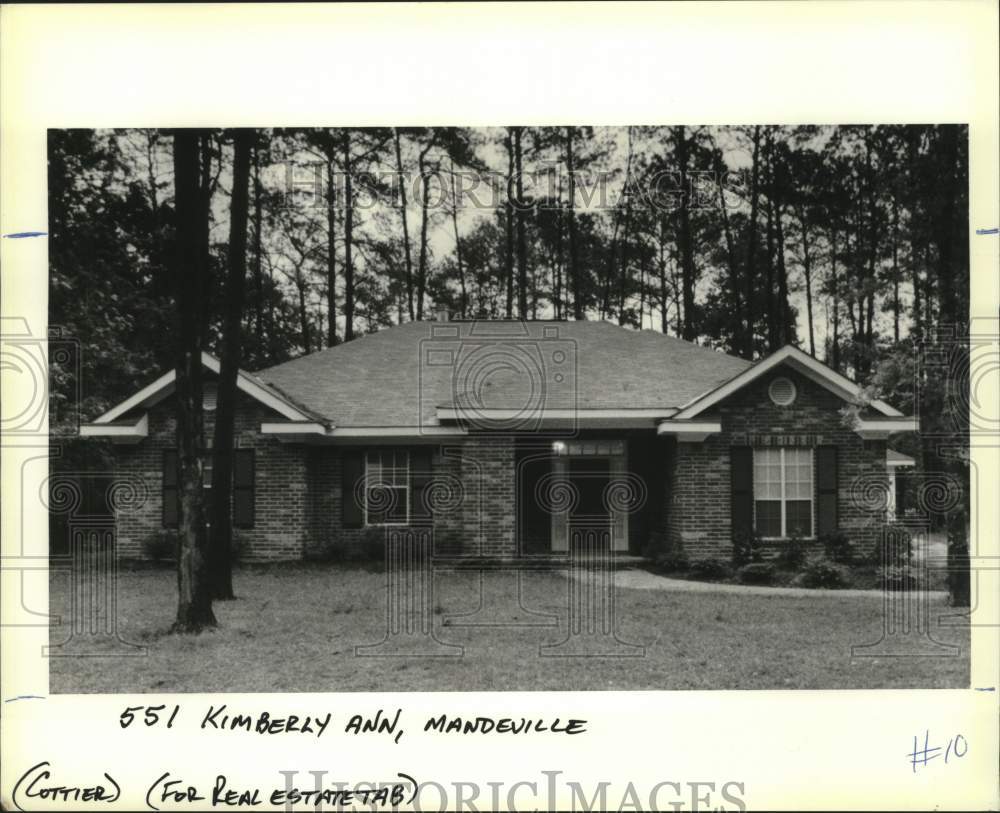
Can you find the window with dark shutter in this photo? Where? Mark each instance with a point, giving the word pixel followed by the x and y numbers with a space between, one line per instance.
pixel 244 477
pixel 826 489
pixel 352 511
pixel 741 474
pixel 421 474
pixel 171 489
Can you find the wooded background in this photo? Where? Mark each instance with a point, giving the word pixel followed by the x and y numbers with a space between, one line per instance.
pixel 849 241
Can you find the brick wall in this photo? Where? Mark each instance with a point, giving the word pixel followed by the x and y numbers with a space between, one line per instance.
pixel 298 493
pixel 699 477
pixel 279 530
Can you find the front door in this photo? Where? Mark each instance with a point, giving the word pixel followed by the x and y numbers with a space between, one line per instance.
pixel 589 466
pixel 589 478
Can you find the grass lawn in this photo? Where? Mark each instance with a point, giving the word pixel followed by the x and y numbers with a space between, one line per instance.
pixel 295 627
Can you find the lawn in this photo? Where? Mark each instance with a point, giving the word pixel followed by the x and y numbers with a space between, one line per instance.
pixel 294 628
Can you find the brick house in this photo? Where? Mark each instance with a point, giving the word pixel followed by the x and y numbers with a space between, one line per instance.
pixel 503 436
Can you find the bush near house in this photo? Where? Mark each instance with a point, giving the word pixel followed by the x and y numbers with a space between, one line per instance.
pixel 894 547
pixel 824 574
pixel 837 547
pixel 792 555
pixel 672 561
pixel 896 577
pixel 710 569
pixel 747 547
pixel 756 573
pixel 161 546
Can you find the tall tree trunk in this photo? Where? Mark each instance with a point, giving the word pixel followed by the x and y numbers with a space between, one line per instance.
pixel 734 281
pixel 623 273
pixel 194 589
pixel 522 241
pixel 690 329
pixel 895 269
pixel 807 271
pixel 222 446
pixel 773 312
pixel 918 321
pixel 406 229
pixel 508 225
pixel 574 268
pixel 258 276
pixel 458 246
pixel 300 287
pixel 557 297
pixel 751 263
pixel 787 329
pixel 425 196
pixel 331 246
pixel 348 239
pixel 834 283
pixel 662 267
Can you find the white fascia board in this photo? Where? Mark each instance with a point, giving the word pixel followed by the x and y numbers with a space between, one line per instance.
pixel 117 432
pixel 163 386
pixel 293 428
pixel 881 428
pixel 458 414
pixel 143 397
pixel 799 360
pixel 318 432
pixel 689 431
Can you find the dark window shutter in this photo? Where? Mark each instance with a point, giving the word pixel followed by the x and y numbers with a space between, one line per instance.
pixel 741 476
pixel 244 477
pixel 171 489
pixel 826 490
pixel 421 472
pixel 352 514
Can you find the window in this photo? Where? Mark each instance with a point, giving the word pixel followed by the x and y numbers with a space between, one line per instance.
pixel 387 487
pixel 782 391
pixel 244 476
pixel 783 492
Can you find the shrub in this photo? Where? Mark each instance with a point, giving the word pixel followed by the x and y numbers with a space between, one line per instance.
pixel 894 547
pixel 896 577
pixel 756 573
pixel 656 546
pixel 959 587
pixel 747 547
pixel 161 546
pixel 837 547
pixel 672 560
pixel 372 546
pixel 825 574
pixel 710 569
pixel 793 553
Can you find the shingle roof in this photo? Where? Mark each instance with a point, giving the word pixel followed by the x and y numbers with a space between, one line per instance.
pixel 391 377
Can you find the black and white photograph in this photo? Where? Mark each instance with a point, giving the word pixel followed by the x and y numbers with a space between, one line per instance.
pixel 426 408
pixel 497 406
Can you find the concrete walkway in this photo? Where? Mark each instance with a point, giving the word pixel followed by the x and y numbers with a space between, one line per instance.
pixel 635 579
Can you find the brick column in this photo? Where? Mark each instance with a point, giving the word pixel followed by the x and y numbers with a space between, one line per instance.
pixel 488 475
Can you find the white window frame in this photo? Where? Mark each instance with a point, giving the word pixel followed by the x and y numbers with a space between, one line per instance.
pixel 784 497
pixel 408 486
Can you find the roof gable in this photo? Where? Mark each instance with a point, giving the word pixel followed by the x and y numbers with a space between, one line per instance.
pixel 163 387
pixel 798 360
